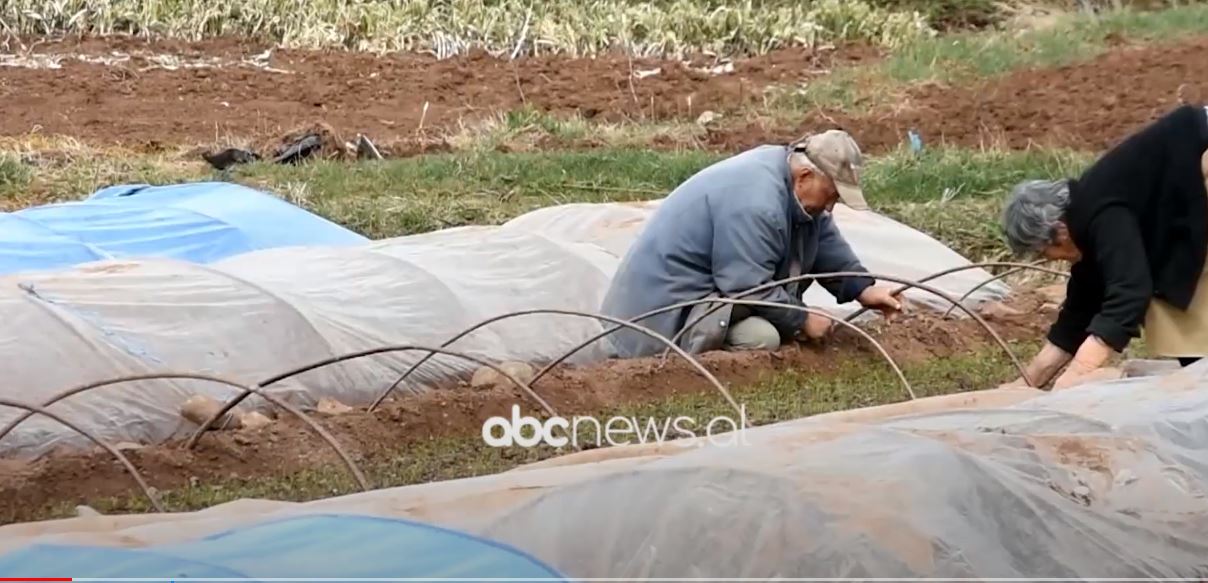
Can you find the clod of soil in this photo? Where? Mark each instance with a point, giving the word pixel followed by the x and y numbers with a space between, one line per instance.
pixel 998 312
pixel 254 420
pixel 486 376
pixel 199 409
pixel 1053 294
pixel 327 406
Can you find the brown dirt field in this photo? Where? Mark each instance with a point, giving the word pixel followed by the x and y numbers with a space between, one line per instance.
pixel 287 447
pixel 381 96
pixel 1087 106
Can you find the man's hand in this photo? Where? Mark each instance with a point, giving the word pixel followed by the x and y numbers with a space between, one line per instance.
pixel 880 298
pixel 816 327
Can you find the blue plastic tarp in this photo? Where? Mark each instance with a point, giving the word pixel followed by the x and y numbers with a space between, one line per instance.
pixel 199 222
pixel 311 546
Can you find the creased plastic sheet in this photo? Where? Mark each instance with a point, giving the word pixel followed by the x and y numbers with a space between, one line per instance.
pixel 1101 481
pixel 882 244
pixel 198 222
pixel 257 314
pixel 299 547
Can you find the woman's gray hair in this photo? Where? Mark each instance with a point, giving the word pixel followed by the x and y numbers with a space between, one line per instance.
pixel 1033 210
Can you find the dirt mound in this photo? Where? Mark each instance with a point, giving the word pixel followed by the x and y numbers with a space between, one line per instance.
pixel 150 99
pixel 1088 106
pixel 287 447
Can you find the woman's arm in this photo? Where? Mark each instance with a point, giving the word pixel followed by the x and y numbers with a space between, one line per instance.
pixel 1044 366
pixel 1127 284
pixel 1127 290
pixel 1083 297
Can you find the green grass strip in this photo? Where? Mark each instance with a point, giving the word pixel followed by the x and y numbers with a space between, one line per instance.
pixel 967 57
pixel 859 380
pixel 952 194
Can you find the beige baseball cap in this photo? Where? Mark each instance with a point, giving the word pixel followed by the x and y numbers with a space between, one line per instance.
pixel 838 156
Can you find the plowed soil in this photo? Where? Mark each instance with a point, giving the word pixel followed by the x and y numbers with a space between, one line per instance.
pixel 1088 106
pixel 286 447
pixel 397 97
pixel 390 98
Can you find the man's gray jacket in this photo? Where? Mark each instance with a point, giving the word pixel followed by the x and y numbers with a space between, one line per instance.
pixel 733 226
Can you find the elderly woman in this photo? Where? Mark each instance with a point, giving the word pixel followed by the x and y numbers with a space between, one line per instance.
pixel 1135 228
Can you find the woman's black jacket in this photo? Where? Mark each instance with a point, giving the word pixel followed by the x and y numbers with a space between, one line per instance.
pixel 1140 217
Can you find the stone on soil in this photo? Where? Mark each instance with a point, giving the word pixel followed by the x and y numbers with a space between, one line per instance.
pixel 998 311
pixel 254 420
pixel 1053 294
pixel 486 377
pixel 328 406
pixel 86 511
pixel 201 408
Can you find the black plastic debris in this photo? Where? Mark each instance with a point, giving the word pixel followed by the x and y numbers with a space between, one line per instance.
pixel 230 157
pixel 300 149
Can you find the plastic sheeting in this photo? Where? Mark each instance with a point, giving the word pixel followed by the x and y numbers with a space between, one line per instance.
pixel 1107 480
pixel 254 315
pixel 882 244
pixel 311 547
pixel 199 222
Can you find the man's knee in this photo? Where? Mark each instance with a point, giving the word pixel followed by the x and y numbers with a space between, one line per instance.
pixel 753 333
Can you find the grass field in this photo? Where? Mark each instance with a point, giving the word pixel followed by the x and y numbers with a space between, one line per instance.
pixel 967 57
pixel 953 194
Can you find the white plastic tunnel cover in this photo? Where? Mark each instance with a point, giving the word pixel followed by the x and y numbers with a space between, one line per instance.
pixel 1102 481
pixel 254 315
pixel 1106 481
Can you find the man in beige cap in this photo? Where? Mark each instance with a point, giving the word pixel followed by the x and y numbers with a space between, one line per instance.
pixel 760 216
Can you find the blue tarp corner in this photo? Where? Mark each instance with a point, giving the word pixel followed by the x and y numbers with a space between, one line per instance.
pixel 198 222
pixel 308 546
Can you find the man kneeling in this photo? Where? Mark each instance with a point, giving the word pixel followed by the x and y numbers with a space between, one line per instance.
pixel 760 216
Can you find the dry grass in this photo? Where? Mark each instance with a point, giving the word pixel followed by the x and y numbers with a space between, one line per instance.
pixel 503 27
pixel 37 169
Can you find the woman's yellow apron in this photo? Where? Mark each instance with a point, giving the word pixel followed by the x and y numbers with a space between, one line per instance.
pixel 1175 333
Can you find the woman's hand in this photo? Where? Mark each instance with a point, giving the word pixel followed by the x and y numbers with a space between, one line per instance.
pixel 1043 367
pixel 1100 374
pixel 1074 375
pixel 1087 365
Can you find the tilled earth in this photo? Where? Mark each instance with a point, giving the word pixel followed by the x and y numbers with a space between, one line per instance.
pixel 147 99
pixel 1088 106
pixel 142 98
